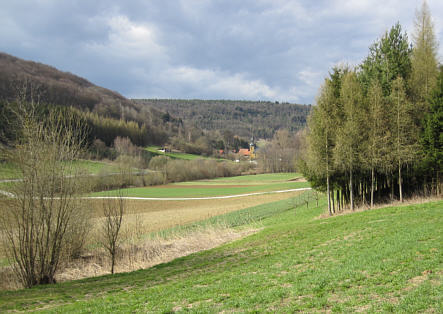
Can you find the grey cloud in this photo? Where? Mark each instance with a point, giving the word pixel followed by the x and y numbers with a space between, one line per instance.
pixel 257 49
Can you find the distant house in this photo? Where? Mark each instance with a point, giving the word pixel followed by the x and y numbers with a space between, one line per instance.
pixel 244 152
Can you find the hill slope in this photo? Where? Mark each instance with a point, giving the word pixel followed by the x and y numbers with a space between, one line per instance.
pixel 387 259
pixel 246 118
pixel 57 87
pixel 20 78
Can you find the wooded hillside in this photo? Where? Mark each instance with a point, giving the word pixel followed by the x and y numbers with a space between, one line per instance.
pixel 248 118
pixel 108 113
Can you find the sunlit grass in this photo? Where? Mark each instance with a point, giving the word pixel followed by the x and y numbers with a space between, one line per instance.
pixel 216 187
pixel 384 260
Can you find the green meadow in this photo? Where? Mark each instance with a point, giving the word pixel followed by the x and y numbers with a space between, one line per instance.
pixel 215 187
pixel 177 155
pixel 249 179
pixel 383 260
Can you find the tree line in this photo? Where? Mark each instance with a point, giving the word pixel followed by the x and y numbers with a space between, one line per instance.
pixel 376 132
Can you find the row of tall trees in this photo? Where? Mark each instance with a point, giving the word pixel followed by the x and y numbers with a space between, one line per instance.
pixel 376 132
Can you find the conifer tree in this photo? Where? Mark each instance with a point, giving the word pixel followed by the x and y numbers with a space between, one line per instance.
pixel 404 130
pixel 432 139
pixel 388 58
pixel 424 59
pixel 350 136
pixel 321 137
pixel 378 133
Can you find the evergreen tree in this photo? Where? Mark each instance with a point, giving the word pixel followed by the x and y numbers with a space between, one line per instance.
pixel 388 58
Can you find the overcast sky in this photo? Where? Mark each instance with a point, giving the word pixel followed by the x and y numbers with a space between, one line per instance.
pixel 209 49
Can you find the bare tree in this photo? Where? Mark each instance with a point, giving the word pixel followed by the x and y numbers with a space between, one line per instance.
pixel 113 211
pixel 37 221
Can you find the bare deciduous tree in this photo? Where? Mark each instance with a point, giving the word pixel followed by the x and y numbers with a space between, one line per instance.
pixel 37 221
pixel 113 211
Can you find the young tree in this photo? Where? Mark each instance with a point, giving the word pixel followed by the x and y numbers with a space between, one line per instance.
pixel 388 58
pixel 404 130
pixel 113 211
pixel 378 133
pixel 432 138
pixel 321 138
pixel 424 59
pixel 350 136
pixel 37 221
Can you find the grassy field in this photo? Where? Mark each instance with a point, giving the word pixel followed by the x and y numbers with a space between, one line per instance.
pixel 9 171
pixel 387 260
pixel 216 187
pixel 160 215
pixel 258 179
pixel 176 155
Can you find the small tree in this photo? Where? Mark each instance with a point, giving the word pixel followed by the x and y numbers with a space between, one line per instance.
pixel 404 130
pixel 424 59
pixel 377 145
pixel 113 211
pixel 348 150
pixel 37 221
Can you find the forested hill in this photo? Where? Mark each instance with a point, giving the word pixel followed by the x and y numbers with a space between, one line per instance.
pixel 110 113
pixel 53 86
pixel 258 118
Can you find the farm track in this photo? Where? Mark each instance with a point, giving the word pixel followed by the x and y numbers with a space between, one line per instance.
pixel 8 194
pixel 195 198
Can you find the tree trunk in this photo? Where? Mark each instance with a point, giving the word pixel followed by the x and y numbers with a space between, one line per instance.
pixel 112 263
pixel 400 182
pixel 438 184
pixel 351 190
pixel 339 199
pixel 333 202
pixel 372 187
pixel 328 192
pixel 392 188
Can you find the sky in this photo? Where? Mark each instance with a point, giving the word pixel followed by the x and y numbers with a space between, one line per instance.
pixel 277 50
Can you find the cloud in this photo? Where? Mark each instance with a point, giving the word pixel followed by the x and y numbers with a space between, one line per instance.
pixel 126 39
pixel 249 49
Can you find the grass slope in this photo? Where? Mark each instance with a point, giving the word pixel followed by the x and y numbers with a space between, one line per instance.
pixel 387 259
